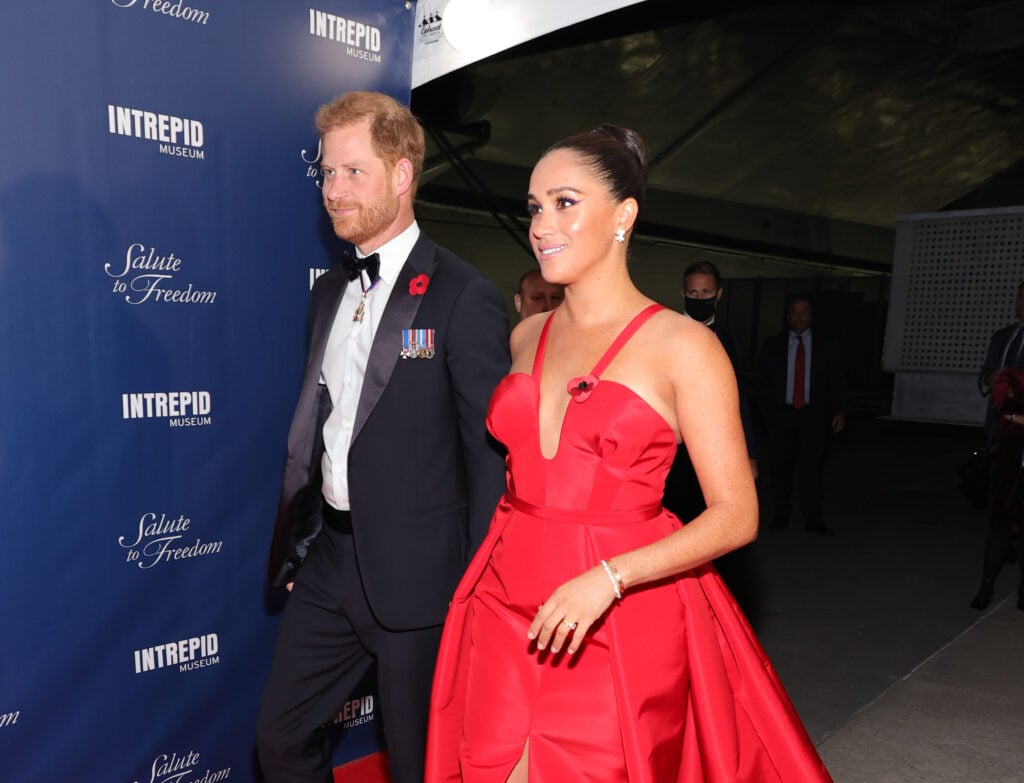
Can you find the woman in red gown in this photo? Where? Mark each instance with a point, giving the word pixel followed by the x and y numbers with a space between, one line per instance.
pixel 591 639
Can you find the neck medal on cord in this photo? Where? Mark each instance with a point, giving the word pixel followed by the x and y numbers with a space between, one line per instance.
pixel 357 316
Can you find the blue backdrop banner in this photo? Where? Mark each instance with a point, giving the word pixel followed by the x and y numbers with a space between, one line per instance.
pixel 160 224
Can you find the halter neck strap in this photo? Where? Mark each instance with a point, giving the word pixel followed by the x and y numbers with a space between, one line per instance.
pixel 542 344
pixel 638 320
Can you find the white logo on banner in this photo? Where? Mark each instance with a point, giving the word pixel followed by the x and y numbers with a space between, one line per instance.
pixel 160 541
pixel 180 408
pixel 177 136
pixel 169 8
pixel 355 712
pixel 9 718
pixel 429 25
pixel 187 654
pixel 314 273
pixel 313 164
pixel 361 41
pixel 182 769
pixel 313 170
pixel 142 277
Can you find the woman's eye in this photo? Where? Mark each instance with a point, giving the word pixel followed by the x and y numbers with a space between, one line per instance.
pixel 533 210
pixel 564 201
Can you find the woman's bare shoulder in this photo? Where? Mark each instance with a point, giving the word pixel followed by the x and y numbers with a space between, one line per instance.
pixel 525 336
pixel 670 325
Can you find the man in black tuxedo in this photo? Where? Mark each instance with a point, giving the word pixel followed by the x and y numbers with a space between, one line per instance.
pixel 390 479
pixel 1005 349
pixel 801 394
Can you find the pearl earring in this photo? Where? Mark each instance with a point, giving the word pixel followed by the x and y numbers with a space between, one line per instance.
pixel 620 235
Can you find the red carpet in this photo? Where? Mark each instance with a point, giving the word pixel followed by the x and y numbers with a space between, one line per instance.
pixel 368 769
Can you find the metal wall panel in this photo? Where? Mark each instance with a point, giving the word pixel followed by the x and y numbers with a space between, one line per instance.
pixel 955 276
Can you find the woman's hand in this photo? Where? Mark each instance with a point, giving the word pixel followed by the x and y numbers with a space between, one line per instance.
pixel 571 611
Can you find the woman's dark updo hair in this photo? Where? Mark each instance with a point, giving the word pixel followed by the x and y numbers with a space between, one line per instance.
pixel 617 155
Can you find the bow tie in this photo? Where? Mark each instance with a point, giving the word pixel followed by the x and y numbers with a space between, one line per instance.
pixel 354 265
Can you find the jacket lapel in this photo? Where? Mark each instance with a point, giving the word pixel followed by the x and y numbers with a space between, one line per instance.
pixel 324 324
pixel 304 430
pixel 398 316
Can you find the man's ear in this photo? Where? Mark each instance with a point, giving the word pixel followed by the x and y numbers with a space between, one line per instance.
pixel 402 176
pixel 518 301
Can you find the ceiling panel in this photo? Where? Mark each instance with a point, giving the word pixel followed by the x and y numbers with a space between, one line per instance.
pixel 837 111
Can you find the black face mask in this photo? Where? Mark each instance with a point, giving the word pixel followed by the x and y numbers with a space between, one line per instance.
pixel 700 309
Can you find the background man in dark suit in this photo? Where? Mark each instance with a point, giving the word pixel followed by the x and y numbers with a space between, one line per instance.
pixel 801 393
pixel 1005 349
pixel 702 291
pixel 390 480
pixel 536 295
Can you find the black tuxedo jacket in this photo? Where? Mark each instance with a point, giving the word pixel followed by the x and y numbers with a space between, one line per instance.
pixel 828 375
pixel 424 476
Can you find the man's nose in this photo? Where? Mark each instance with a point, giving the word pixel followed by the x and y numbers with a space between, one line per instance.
pixel 332 188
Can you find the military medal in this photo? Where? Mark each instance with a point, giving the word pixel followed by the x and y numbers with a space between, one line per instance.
pixel 417 344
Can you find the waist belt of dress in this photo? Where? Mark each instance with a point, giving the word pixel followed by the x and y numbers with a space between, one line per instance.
pixel 583 516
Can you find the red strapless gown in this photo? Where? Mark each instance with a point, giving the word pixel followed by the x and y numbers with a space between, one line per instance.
pixel 671 687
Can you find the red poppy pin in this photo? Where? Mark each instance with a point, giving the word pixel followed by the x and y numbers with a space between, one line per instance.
pixel 418 285
pixel 580 388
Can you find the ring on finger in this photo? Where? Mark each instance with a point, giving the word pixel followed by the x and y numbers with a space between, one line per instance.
pixel 570 626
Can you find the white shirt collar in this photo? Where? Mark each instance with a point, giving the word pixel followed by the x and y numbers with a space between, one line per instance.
pixel 395 251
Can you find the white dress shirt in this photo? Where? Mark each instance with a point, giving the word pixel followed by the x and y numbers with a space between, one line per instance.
pixel 344 366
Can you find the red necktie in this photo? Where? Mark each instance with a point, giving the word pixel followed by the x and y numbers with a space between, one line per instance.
pixel 798 374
